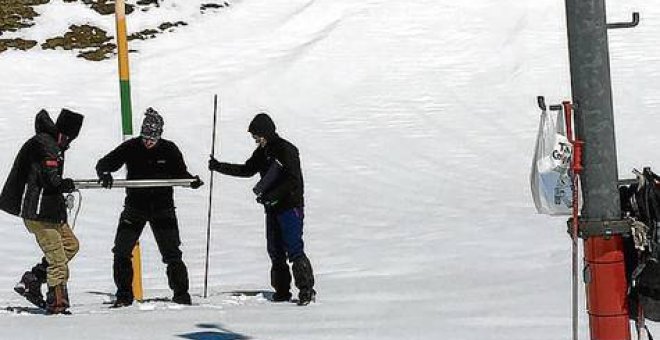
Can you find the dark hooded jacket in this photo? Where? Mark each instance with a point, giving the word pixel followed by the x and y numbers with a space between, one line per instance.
pixel 33 189
pixel 288 189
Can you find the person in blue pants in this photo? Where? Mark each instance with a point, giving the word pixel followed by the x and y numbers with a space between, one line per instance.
pixel 280 190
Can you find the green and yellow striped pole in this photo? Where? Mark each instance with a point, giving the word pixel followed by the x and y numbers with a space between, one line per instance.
pixel 127 121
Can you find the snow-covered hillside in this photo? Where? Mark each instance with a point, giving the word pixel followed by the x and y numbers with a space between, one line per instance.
pixel 416 124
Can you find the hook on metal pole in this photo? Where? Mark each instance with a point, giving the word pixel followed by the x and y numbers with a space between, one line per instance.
pixel 631 24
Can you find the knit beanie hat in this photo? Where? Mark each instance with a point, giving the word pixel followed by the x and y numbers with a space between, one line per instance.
pixel 152 125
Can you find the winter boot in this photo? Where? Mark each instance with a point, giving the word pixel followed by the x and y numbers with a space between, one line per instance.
pixel 122 300
pixel 57 299
pixel 30 287
pixel 182 299
pixel 305 296
pixel 304 276
pixel 280 279
pixel 122 272
pixel 281 297
pixel 177 279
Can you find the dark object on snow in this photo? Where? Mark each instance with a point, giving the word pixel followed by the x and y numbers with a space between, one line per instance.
pixel 152 205
pixel 35 184
pixel 641 201
pixel 30 284
pixel 280 190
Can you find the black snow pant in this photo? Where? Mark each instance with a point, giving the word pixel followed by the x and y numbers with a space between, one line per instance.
pixel 165 227
pixel 284 232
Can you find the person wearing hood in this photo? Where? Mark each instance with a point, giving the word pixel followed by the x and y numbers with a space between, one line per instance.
pixel 33 191
pixel 280 191
pixel 148 157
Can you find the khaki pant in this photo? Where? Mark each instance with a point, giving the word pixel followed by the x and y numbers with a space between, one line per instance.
pixel 59 245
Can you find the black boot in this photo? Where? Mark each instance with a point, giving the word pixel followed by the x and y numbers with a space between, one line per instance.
pixel 57 299
pixel 177 279
pixel 304 276
pixel 123 275
pixel 305 296
pixel 30 287
pixel 280 279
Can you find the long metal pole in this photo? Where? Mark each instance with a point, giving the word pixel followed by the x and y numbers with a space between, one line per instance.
pixel 134 183
pixel 594 118
pixel 127 122
pixel 208 226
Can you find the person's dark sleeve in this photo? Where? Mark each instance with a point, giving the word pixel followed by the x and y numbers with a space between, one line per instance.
pixel 249 169
pixel 50 164
pixel 114 160
pixel 290 161
pixel 179 168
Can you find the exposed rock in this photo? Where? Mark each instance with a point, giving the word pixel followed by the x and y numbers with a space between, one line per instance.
pixel 17 44
pixel 17 14
pixel 90 40
pixel 148 2
pixel 143 35
pixel 207 6
pixel 103 52
pixel 104 7
pixel 167 25
pixel 91 43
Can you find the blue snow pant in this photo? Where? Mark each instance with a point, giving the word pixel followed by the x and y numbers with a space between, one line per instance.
pixel 284 231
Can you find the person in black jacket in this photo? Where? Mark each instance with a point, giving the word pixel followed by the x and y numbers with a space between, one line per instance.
pixel 34 191
pixel 148 157
pixel 280 190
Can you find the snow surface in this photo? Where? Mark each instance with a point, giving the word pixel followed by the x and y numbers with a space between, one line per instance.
pixel 416 124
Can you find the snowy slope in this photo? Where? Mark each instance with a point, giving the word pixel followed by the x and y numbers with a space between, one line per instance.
pixel 416 123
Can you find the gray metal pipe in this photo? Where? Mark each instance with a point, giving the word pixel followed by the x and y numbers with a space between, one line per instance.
pixel 136 183
pixel 592 99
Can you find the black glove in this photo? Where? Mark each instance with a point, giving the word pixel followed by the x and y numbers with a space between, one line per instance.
pixel 67 186
pixel 214 165
pixel 196 183
pixel 266 200
pixel 105 178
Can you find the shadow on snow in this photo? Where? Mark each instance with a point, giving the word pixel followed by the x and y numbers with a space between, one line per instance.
pixel 218 334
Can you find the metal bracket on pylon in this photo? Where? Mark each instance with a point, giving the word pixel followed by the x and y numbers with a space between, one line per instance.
pixel 600 228
pixel 630 24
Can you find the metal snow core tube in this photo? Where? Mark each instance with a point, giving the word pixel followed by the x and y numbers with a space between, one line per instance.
pixel 136 183
pixel 605 277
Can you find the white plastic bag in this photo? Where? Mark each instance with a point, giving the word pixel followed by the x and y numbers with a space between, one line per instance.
pixel 550 178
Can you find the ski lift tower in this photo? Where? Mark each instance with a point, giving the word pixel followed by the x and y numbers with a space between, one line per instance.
pixel 600 223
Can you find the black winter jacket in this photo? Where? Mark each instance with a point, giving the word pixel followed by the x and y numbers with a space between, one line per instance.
pixel 32 190
pixel 288 189
pixel 163 161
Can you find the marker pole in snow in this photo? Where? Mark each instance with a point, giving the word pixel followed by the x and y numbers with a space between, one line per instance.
pixel 576 167
pixel 208 226
pixel 127 120
pixel 600 224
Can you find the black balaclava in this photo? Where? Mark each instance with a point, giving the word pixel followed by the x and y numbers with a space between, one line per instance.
pixel 262 126
pixel 152 125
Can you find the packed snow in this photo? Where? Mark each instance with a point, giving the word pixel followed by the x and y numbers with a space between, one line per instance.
pixel 416 124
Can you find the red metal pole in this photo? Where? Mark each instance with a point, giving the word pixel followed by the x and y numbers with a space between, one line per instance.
pixel 604 273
